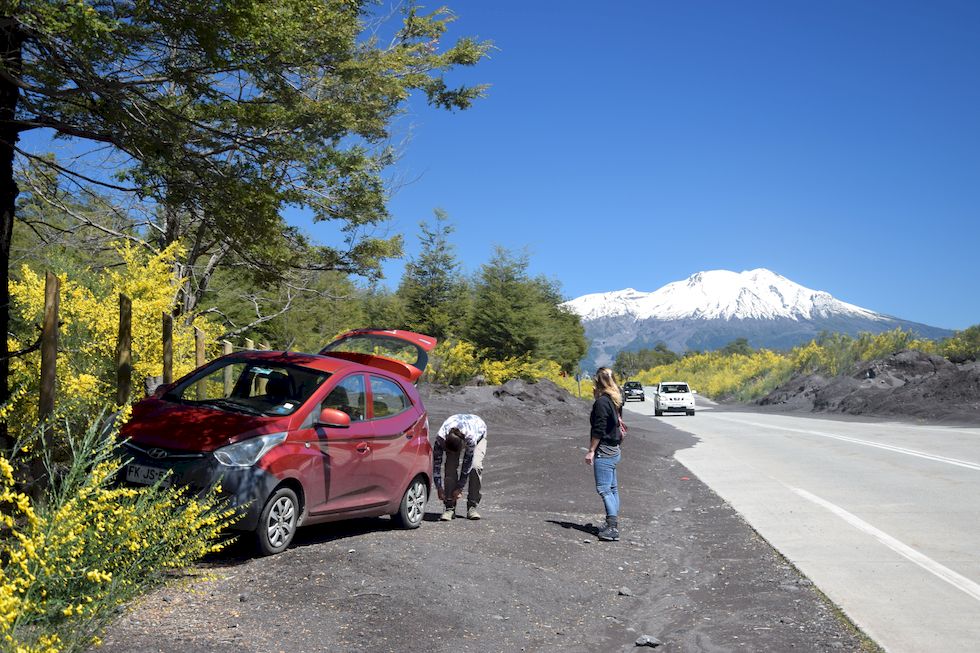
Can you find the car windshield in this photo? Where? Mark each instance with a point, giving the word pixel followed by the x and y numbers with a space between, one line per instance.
pixel 251 388
pixel 632 385
pixel 671 388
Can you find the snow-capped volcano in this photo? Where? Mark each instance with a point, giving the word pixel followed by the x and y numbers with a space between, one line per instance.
pixel 720 294
pixel 710 309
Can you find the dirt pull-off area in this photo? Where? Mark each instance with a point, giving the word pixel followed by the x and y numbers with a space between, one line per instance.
pixel 688 574
pixel 907 384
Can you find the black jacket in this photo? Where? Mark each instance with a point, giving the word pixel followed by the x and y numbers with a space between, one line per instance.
pixel 605 421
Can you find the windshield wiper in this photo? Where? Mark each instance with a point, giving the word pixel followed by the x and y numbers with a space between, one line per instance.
pixel 232 406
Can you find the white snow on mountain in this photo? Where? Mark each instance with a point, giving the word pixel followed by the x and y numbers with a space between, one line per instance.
pixel 720 294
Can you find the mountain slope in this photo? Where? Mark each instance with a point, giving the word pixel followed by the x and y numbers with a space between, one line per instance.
pixel 710 309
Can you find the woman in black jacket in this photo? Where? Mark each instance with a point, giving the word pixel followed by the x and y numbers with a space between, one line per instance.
pixel 604 448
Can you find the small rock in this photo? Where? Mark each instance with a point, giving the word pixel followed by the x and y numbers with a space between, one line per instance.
pixel 242 598
pixel 647 640
pixel 625 591
pixel 678 510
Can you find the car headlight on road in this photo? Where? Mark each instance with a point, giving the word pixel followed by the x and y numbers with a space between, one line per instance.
pixel 248 452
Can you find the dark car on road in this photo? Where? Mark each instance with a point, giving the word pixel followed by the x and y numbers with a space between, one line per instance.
pixel 295 438
pixel 633 390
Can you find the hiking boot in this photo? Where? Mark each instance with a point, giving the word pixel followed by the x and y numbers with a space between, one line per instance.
pixel 448 514
pixel 611 532
pixel 471 513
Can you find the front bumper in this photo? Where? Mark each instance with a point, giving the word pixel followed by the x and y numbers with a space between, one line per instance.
pixel 245 488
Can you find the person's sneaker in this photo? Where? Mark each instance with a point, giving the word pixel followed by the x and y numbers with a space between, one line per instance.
pixel 611 532
pixel 471 513
pixel 608 534
pixel 448 514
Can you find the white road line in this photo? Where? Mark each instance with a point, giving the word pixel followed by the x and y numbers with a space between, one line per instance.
pixel 887 447
pixel 961 583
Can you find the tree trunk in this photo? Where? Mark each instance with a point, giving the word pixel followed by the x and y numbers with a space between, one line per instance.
pixel 11 40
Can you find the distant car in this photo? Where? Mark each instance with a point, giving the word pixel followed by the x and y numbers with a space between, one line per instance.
pixel 673 397
pixel 633 390
pixel 295 438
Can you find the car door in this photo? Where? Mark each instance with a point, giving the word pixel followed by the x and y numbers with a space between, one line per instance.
pixel 398 440
pixel 342 481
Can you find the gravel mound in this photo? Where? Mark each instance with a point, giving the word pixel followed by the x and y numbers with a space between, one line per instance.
pixel 517 403
pixel 906 384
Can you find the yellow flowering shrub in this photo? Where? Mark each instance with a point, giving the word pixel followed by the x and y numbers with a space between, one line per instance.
pixel 453 362
pixel 747 377
pixel 714 374
pixel 89 330
pixel 68 561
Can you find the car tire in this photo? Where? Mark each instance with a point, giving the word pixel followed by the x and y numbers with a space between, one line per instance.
pixel 278 522
pixel 411 510
pixel 690 413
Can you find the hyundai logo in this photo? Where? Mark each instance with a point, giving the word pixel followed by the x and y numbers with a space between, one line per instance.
pixel 156 454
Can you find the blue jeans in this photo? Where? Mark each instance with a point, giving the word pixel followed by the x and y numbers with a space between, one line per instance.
pixel 605 482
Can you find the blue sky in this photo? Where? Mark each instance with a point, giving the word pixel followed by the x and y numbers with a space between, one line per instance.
pixel 631 144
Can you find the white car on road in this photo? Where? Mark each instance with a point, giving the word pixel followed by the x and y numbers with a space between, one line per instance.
pixel 671 397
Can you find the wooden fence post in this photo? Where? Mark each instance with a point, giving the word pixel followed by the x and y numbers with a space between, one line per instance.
pixel 168 348
pixel 199 360
pixel 124 352
pixel 226 348
pixel 249 343
pixel 49 347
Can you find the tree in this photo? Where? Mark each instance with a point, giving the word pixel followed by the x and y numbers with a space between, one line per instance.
pixel 220 114
pixel 562 337
pixel 738 346
pixel 514 315
pixel 504 322
pixel 628 363
pixel 432 289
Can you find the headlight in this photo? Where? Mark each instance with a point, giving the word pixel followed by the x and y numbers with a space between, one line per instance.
pixel 248 452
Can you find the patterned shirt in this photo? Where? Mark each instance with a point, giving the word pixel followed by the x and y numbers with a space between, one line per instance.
pixel 473 429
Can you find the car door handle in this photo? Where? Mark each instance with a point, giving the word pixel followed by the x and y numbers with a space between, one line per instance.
pixel 363 447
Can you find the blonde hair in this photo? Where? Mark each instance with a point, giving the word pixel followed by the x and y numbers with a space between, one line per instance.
pixel 605 384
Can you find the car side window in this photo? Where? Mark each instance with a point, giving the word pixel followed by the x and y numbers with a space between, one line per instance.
pixel 349 397
pixel 387 398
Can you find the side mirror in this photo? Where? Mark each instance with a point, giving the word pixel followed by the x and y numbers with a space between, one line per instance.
pixel 334 418
pixel 693 391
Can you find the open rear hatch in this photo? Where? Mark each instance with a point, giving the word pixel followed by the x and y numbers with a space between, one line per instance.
pixel 402 352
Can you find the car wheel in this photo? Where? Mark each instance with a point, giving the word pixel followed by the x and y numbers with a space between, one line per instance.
pixel 412 508
pixel 690 413
pixel 278 522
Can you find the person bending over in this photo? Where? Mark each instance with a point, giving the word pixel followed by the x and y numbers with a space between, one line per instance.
pixel 462 440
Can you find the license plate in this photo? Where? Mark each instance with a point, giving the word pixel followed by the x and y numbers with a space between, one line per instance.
pixel 145 475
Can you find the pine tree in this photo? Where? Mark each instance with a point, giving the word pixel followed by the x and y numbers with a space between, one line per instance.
pixel 432 290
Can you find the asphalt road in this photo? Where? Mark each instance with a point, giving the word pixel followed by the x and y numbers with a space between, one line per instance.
pixel 883 516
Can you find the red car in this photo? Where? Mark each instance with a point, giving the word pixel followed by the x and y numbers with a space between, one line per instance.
pixel 295 438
